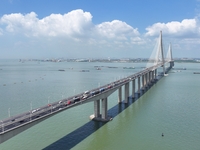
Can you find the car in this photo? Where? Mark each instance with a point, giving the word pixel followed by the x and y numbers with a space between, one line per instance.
pixel 76 99
pixel 86 94
pixel 109 86
pixel 92 93
pixel 96 92
pixel 102 89
pixel 68 102
pixel 37 116
pixel 33 111
pixel 60 102
pixel 21 121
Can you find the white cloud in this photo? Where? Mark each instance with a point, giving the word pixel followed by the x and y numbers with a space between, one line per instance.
pixel 18 22
pixel 137 40
pixel 75 30
pixel 116 29
pixel 76 24
pixel 68 33
pixel 72 23
pixel 187 27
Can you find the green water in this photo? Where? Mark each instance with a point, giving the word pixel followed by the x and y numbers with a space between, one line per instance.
pixel 171 107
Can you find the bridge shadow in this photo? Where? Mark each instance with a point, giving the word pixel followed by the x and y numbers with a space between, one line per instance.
pixel 78 135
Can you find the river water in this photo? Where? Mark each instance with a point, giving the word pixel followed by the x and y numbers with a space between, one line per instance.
pixel 171 106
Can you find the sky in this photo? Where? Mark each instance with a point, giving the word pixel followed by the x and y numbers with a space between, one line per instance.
pixel 41 29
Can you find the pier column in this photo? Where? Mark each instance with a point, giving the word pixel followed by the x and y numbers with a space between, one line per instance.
pixel 149 77
pixel 120 94
pixel 96 108
pixel 126 92
pixel 133 88
pixel 155 73
pixel 152 76
pixel 104 108
pixel 146 80
pixel 138 85
pixel 171 64
pixel 142 82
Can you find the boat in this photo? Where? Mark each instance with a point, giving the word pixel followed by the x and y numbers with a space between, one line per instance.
pixel 128 67
pixel 61 70
pixel 196 72
pixel 98 68
pixel 85 71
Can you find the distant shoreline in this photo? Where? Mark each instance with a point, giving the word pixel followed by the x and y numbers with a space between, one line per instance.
pixel 128 60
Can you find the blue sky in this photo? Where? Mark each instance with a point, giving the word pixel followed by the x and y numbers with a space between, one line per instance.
pixel 98 29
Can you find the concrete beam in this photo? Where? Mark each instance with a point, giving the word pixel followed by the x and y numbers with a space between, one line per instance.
pixel 15 131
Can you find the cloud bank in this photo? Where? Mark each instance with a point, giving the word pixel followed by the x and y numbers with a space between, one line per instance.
pixel 75 24
pixel 75 27
pixel 187 27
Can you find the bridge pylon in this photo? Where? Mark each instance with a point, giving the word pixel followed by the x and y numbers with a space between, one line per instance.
pixel 162 53
pixel 158 58
pixel 169 57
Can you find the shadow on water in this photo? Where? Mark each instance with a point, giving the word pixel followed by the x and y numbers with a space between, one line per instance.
pixel 78 135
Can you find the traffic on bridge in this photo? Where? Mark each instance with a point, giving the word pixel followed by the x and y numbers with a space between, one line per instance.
pixel 53 108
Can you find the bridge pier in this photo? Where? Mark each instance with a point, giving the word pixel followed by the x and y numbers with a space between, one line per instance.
pixel 97 108
pixel 120 94
pixel 149 78
pixel 104 111
pixel 152 76
pixel 171 64
pixel 126 88
pixel 146 80
pixel 133 88
pixel 138 85
pixel 143 84
pixel 104 108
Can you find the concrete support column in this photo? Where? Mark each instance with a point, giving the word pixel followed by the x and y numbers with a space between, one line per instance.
pixel 146 80
pixel 96 108
pixel 133 88
pixel 120 94
pixel 171 64
pixel 155 73
pixel 138 84
pixel 142 82
pixel 149 77
pixel 152 76
pixel 104 108
pixel 126 92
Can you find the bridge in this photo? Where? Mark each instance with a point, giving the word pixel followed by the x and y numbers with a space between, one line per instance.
pixel 99 96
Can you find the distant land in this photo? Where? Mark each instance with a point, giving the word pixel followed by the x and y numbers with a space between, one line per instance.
pixel 129 60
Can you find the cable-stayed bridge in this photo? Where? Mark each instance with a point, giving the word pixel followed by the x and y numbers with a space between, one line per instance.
pixel 10 127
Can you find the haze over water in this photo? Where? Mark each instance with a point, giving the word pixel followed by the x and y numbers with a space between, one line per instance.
pixel 171 107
